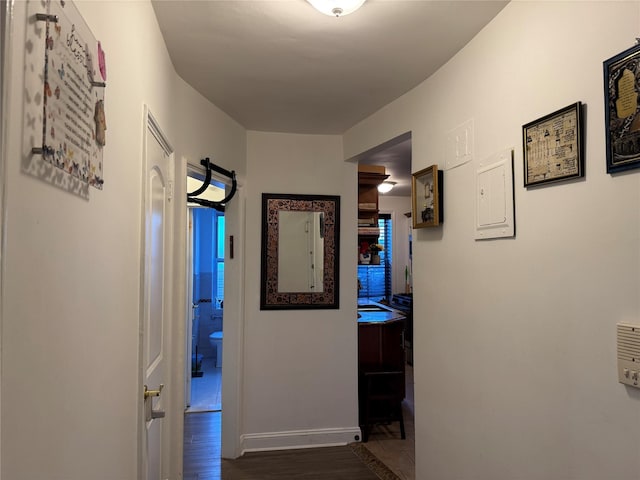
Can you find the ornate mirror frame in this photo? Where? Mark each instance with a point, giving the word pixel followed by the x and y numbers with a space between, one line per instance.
pixel 270 297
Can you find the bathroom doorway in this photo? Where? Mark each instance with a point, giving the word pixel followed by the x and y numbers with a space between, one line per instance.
pixel 205 278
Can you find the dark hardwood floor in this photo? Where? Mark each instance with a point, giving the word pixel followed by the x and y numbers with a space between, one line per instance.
pixel 326 463
pixel 202 454
pixel 202 458
pixel 202 446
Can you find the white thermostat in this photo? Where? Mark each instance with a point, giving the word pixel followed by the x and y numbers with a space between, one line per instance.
pixel 629 354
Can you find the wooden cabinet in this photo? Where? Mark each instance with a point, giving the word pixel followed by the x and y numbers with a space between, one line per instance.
pixel 369 177
pixel 381 374
pixel 381 346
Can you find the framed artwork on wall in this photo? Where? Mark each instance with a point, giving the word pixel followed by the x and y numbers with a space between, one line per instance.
pixel 621 107
pixel 426 197
pixel 553 147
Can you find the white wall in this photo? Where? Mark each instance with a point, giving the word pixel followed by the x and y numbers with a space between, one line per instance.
pixel 300 380
pixel 397 207
pixel 515 366
pixel 515 359
pixel 70 310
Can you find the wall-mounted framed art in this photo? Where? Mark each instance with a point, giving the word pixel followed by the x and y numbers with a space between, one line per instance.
pixel 553 147
pixel 621 107
pixel 426 197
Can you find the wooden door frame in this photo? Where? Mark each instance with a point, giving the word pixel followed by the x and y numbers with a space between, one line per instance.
pixel 5 50
pixel 233 350
pixel 189 309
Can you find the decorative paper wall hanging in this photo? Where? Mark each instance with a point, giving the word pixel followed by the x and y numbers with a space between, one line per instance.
pixel 74 119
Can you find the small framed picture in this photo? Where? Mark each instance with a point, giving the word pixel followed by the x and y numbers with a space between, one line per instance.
pixel 621 107
pixel 553 147
pixel 426 197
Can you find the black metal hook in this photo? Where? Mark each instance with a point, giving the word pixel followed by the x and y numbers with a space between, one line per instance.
pixel 219 206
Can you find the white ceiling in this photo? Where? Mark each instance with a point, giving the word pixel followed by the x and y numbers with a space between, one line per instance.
pixel 281 66
pixel 395 156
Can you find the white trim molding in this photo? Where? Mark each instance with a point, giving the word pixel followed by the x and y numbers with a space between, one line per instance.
pixel 287 440
pixel 6 12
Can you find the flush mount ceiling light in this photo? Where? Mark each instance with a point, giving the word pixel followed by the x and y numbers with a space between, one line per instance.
pixel 336 8
pixel 385 187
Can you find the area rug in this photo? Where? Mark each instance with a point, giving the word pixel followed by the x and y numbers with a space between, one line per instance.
pixel 372 462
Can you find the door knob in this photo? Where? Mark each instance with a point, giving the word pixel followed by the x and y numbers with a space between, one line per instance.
pixel 152 393
pixel 150 413
pixel 157 414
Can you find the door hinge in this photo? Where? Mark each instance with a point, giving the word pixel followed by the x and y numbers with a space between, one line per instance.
pixel 170 190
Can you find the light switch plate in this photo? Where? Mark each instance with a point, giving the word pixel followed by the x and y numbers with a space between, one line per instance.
pixel 628 340
pixel 459 145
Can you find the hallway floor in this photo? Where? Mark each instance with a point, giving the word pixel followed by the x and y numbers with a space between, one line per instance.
pixel 202 446
pixel 385 443
pixel 202 443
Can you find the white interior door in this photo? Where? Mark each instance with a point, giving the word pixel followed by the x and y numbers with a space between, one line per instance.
pixel 156 291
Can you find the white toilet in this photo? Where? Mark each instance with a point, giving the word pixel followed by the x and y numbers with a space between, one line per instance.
pixel 215 339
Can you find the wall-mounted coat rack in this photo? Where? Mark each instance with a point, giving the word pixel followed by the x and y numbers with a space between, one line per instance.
pixel 209 167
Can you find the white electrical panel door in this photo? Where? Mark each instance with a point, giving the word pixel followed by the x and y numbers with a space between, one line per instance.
pixel 494 197
pixel 628 353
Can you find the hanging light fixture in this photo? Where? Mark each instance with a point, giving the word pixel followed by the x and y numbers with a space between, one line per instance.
pixel 385 187
pixel 336 8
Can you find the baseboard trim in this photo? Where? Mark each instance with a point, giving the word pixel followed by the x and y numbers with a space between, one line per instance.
pixel 321 437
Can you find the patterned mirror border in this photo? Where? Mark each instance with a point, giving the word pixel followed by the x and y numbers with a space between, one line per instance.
pixel 270 297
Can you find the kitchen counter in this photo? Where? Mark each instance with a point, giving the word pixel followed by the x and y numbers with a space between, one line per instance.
pixel 374 312
pixel 381 364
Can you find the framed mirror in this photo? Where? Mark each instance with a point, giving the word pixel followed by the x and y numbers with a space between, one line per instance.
pixel 300 251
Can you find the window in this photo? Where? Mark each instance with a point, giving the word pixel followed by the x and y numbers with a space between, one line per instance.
pixel 219 289
pixel 208 255
pixel 376 279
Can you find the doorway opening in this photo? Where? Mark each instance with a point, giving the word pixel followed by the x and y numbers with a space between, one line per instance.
pixel 385 288
pixel 203 389
pixel 202 446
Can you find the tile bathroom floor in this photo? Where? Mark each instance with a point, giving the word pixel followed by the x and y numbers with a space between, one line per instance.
pixel 206 391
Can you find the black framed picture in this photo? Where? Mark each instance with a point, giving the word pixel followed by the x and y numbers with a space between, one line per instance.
pixel 553 147
pixel 622 108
